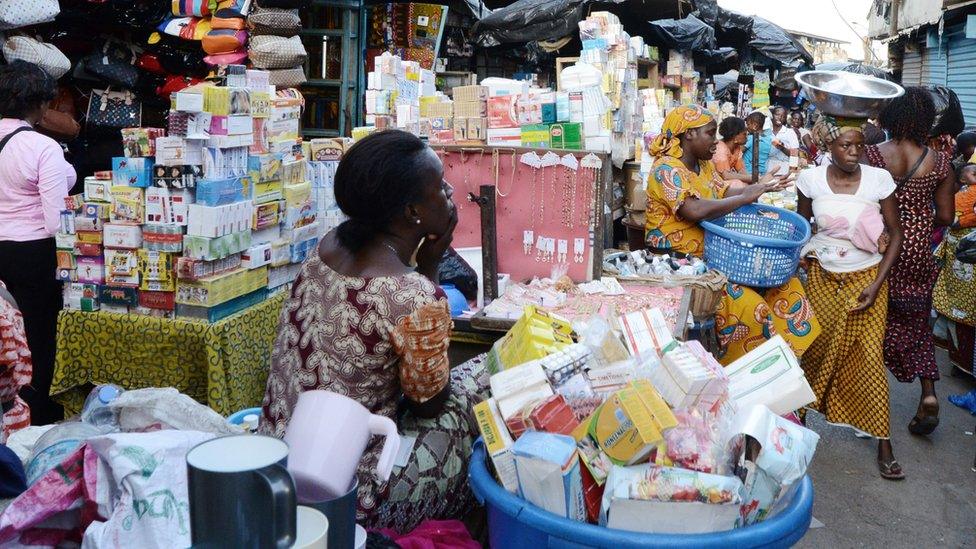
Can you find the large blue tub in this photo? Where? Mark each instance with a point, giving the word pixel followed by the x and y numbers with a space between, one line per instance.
pixel 514 522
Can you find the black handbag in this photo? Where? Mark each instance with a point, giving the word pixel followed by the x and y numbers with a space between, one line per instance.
pixel 114 64
pixel 114 109
pixel 175 58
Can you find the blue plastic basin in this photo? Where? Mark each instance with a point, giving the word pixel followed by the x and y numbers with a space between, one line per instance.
pixel 514 522
pixel 237 418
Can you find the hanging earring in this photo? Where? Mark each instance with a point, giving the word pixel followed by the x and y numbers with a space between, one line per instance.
pixel 418 221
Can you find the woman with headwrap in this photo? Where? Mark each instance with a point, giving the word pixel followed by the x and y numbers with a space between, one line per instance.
pixel 848 262
pixel 684 188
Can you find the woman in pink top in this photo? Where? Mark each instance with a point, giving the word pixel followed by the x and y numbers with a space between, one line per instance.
pixel 34 180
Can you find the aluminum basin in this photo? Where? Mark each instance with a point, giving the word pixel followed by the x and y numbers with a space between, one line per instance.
pixel 839 93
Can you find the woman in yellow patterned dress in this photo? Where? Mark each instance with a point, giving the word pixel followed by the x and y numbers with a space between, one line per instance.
pixel 684 189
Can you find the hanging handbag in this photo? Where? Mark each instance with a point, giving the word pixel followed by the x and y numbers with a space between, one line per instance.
pixel 43 55
pixel 15 14
pixel 60 119
pixel 274 22
pixel 224 41
pixel 277 52
pixel 114 64
pixel 111 109
pixel 179 57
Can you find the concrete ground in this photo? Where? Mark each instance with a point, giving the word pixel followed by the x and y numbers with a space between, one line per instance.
pixel 935 506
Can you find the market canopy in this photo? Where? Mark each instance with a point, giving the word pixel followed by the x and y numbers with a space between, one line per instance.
pixel 530 21
pixel 857 68
pixel 765 37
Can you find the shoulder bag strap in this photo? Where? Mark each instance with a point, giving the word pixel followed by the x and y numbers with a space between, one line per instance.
pixel 918 164
pixel 6 139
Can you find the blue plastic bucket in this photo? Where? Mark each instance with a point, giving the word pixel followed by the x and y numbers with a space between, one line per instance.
pixel 514 522
pixel 237 418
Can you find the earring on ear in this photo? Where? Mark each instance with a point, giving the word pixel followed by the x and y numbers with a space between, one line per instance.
pixel 418 221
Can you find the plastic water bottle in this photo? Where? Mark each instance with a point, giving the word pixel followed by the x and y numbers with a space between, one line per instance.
pixel 96 411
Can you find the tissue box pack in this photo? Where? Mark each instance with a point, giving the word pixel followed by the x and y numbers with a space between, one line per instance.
pixel 645 331
pixel 218 192
pixel 128 205
pixel 162 238
pixel 188 268
pixel 117 235
pixel 286 274
pixel 139 142
pixel 219 289
pixel 97 190
pixel 769 375
pixel 498 443
pixel 122 297
pixel 132 172
pixel 256 256
pixel 90 269
pixel 549 475
pixel 177 177
pixel 121 268
pixel 652 499
pixel 683 380
pixel 502 112
pixel 201 247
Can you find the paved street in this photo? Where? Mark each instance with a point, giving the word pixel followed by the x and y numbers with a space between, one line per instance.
pixel 935 506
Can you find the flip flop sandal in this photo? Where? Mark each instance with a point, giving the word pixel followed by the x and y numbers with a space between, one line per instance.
pixel 891 470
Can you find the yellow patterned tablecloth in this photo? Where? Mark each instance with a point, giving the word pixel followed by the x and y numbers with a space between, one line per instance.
pixel 224 365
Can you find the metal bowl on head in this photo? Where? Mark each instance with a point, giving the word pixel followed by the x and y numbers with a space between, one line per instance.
pixel 847 94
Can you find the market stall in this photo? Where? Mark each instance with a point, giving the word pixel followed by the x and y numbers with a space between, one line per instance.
pixel 223 365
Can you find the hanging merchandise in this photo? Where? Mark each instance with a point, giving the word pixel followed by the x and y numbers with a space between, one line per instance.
pixel 114 64
pixel 288 78
pixel 46 56
pixel 15 14
pixel 276 22
pixel 60 119
pixel 224 41
pixel 760 94
pixel 949 118
pixel 277 52
pixel 192 8
pixel 187 28
pixel 113 109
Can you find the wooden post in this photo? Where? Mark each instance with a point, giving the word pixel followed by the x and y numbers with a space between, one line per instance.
pixel 489 241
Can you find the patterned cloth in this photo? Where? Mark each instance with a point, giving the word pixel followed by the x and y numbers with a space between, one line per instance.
pixel 746 319
pixel 844 365
pixel 670 184
pixel 335 333
pixel 15 367
pixel 223 365
pixel 677 122
pixel 909 350
pixel 829 128
pixel 954 295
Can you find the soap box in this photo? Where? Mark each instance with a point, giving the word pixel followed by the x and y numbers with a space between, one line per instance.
pixel 548 473
pixel 498 443
pixel 91 269
pixel 121 268
pixel 128 297
pixel 118 235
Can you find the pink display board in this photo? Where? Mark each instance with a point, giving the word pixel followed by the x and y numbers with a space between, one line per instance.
pixel 555 203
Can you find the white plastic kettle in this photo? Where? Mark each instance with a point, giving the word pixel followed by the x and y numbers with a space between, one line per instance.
pixel 327 436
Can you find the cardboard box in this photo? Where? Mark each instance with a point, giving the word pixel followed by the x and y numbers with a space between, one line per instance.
pixel 200 247
pixel 91 269
pixel 498 443
pixel 470 109
pixel 83 248
pixel 548 473
pixel 118 296
pixel 139 142
pixel 469 93
pixel 444 110
pixel 156 266
pixel 256 256
pixel 118 235
pixel 501 112
pixel 477 129
pixel 213 291
pixel 177 177
pixel 128 205
pixel 157 300
pixel 188 100
pixel 132 172
pixel 566 136
pixel 504 137
pixel 89 237
pixel 535 136
pixel 65 259
pixel 769 375
pixel 269 191
pixel 98 210
pixel 97 190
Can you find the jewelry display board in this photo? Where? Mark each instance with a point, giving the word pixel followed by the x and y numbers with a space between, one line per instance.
pixel 549 206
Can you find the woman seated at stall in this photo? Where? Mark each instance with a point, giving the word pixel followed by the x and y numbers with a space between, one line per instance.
pixel 847 270
pixel 684 189
pixel 347 329
pixel 728 152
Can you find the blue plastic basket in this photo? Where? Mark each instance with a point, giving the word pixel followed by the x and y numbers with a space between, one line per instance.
pixel 514 522
pixel 757 246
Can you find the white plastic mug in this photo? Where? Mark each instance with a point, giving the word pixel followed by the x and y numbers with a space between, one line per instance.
pixel 312 529
pixel 327 436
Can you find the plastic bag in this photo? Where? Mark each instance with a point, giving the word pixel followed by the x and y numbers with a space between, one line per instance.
pixel 530 21
pixel 690 33
pixel 673 484
pixel 155 409
pixel 949 118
